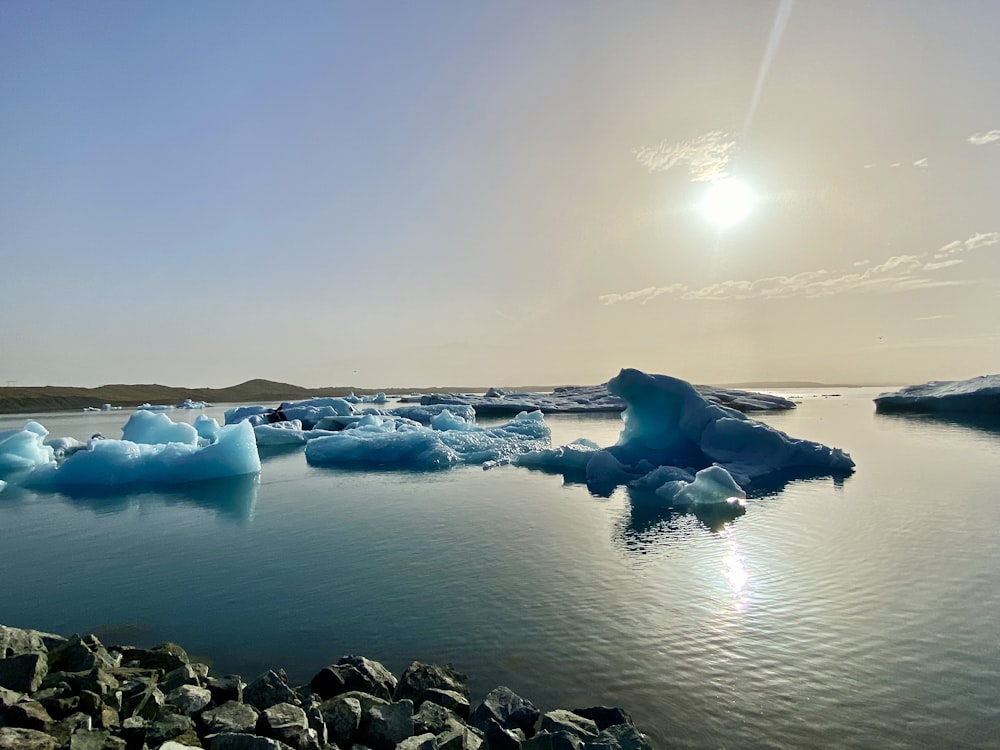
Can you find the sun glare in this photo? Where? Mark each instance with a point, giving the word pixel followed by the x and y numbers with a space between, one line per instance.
pixel 726 202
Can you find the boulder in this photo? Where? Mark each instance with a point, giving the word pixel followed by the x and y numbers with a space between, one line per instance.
pixel 604 716
pixel 567 721
pixel 450 699
pixel 9 698
pixel 27 715
pixel 624 736
pixel 183 675
pixel 315 718
pixel 226 688
pixel 385 726
pixel 141 697
pixel 288 723
pixel 498 738
pixel 342 716
pixel 269 689
pixel 174 745
pixel 93 739
pixel 230 717
pixel 465 738
pixel 81 654
pixel 508 709
pixel 14 738
pixel 17 642
pixel 354 673
pixel 165 658
pixel 435 719
pixel 25 672
pixel 170 727
pixel 189 699
pixel 419 677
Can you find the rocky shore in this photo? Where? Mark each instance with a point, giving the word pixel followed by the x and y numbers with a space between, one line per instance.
pixel 76 693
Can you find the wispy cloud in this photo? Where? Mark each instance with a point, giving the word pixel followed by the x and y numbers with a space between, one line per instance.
pixel 899 273
pixel 921 163
pixel 981 139
pixel 704 157
pixel 933 317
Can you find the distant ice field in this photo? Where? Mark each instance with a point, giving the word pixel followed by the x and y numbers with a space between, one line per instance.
pixel 855 613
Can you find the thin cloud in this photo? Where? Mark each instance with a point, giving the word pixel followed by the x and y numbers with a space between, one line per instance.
pixel 981 139
pixel 898 273
pixel 704 157
pixel 933 317
pixel 921 163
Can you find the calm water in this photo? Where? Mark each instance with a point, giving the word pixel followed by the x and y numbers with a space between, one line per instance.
pixel 861 614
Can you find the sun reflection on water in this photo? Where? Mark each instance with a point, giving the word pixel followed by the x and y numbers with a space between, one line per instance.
pixel 734 568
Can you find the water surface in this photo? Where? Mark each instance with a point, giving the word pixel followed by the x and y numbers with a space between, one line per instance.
pixel 853 614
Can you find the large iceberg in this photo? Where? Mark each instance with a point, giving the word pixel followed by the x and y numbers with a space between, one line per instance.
pixel 672 433
pixel 154 428
pixel 979 396
pixel 116 463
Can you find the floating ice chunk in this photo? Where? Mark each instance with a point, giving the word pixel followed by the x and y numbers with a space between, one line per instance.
pixel 154 407
pixel 252 414
pixel 445 420
pixel 311 411
pixel 189 404
pixel 571 458
pixel 980 396
pixel 113 463
pixel 24 449
pixel 151 428
pixel 207 428
pixel 424 414
pixel 711 486
pixel 660 476
pixel 393 442
pixel 280 433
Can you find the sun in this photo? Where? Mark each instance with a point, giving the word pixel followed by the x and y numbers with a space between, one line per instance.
pixel 726 202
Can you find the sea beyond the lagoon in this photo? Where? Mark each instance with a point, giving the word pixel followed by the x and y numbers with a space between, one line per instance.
pixel 854 613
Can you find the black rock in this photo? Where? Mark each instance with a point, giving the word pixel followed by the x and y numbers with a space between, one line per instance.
pixel 268 690
pixel 288 723
pixel 189 699
pixel 567 721
pixel 13 738
pixel 227 688
pixel 27 715
pixel 604 716
pixel 419 677
pixel 342 716
pixel 81 654
pixel 169 727
pixel 230 717
pixel 508 709
pixel 499 738
pixel 24 673
pixel 166 657
pixel 435 719
pixel 141 697
pixel 450 699
pixel 624 736
pixel 387 725
pixel 354 673
pixel 184 675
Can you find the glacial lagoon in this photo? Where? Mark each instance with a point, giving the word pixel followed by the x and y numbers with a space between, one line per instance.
pixel 855 612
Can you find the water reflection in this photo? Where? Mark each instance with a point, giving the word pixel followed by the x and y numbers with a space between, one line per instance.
pixel 231 498
pixel 953 421
pixel 734 568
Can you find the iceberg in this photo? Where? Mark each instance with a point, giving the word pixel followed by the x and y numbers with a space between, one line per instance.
pixel 117 463
pixel 426 412
pixel 673 433
pixel 309 412
pixel 24 449
pixel 979 396
pixel 156 428
pixel 388 441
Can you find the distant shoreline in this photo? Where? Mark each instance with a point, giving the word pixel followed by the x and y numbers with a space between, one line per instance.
pixel 30 399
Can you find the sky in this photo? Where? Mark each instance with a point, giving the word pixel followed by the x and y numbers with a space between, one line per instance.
pixel 497 193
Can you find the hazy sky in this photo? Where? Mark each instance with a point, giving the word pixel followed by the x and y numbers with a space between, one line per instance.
pixel 459 193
